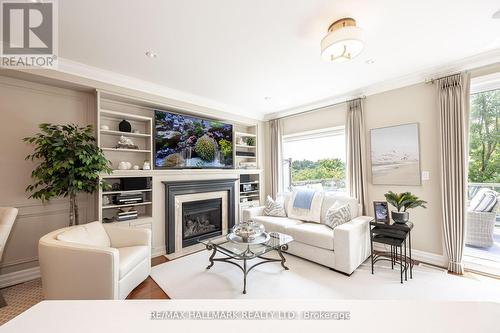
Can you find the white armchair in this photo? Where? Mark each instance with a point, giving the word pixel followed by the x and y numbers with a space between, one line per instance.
pixel 94 261
pixel 7 218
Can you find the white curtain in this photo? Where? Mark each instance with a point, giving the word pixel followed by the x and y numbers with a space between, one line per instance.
pixel 276 157
pixel 453 98
pixel 355 151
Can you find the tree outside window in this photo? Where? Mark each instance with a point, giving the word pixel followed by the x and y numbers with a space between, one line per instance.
pixel 316 160
pixel 484 136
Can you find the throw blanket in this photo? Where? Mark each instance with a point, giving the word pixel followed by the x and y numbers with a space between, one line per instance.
pixel 313 214
pixel 303 199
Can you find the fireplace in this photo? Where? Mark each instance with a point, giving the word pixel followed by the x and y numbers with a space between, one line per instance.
pixel 197 210
pixel 201 219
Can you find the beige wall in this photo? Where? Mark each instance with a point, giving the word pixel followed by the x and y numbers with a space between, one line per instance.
pixel 23 106
pixel 415 103
pixel 324 118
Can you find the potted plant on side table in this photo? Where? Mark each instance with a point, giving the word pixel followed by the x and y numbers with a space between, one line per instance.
pixel 402 202
pixel 69 162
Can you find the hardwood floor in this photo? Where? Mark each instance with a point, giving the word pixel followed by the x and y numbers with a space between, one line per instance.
pixel 149 289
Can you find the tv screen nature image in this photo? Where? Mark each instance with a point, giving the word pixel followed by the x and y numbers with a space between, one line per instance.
pixel 189 142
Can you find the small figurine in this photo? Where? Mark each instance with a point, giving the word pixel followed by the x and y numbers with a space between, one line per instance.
pixel 126 143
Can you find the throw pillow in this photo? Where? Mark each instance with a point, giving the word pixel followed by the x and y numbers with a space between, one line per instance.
pixel 337 215
pixel 487 202
pixel 274 208
pixel 483 201
pixel 92 234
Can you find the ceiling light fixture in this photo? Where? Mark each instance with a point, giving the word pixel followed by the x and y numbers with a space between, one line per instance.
pixel 343 42
pixel 496 15
pixel 151 54
pixel 370 61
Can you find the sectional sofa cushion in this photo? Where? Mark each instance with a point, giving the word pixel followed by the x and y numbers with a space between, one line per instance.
pixel 273 223
pixel 314 234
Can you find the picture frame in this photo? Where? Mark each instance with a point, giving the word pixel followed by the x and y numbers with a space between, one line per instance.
pixel 381 211
pixel 395 155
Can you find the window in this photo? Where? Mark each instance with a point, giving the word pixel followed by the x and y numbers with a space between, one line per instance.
pixel 482 251
pixel 315 160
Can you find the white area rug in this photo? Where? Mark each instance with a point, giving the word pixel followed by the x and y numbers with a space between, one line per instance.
pixel 187 278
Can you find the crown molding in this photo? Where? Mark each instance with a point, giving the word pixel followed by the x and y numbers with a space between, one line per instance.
pixel 94 73
pixel 466 64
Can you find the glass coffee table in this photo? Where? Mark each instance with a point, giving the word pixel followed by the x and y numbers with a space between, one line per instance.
pixel 235 252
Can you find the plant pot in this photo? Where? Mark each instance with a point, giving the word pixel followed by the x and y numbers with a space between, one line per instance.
pixel 400 217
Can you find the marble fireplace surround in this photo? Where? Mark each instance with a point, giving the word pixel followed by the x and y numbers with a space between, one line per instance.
pixel 178 192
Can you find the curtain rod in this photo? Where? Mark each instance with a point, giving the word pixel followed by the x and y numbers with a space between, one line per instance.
pixel 319 108
pixel 469 70
pixel 434 79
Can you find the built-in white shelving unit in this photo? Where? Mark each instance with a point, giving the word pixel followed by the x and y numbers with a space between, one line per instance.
pixel 246 148
pixel 109 134
pixel 111 110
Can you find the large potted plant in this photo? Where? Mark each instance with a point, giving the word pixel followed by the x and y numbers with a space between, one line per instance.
pixel 402 202
pixel 70 163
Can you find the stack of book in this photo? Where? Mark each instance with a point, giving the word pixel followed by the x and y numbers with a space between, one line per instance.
pixel 126 215
pixel 129 198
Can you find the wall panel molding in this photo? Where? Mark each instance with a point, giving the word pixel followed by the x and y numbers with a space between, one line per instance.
pixel 25 105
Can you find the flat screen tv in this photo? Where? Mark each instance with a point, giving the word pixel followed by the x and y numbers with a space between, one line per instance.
pixel 183 142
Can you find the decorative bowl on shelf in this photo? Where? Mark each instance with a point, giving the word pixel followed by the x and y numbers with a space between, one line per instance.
pixel 248 230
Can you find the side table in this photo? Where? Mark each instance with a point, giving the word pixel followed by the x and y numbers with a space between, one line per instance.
pixel 395 235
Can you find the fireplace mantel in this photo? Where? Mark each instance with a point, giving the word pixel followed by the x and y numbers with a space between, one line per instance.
pixel 181 188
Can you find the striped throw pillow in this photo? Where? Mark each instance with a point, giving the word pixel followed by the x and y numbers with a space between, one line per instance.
pixel 274 208
pixel 337 215
pixel 487 200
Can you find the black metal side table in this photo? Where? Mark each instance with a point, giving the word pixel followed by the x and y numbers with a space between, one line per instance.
pixel 395 235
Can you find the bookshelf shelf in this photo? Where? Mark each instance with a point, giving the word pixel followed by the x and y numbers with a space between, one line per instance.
pixel 126 150
pixel 127 205
pixel 129 134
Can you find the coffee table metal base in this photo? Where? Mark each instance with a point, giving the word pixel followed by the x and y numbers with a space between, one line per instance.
pixel 245 269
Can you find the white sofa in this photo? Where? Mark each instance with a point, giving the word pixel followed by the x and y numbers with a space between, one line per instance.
pixel 342 249
pixel 94 267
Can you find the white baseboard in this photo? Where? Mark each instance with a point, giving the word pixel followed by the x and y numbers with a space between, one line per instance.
pixel 422 256
pixel 10 279
pixel 158 251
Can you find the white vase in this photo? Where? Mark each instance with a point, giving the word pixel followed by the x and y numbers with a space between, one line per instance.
pixel 123 165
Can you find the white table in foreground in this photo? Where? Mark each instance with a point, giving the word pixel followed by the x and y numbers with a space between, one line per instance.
pixel 365 316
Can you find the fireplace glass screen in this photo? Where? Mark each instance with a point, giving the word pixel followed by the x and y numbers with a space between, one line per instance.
pixel 200 220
